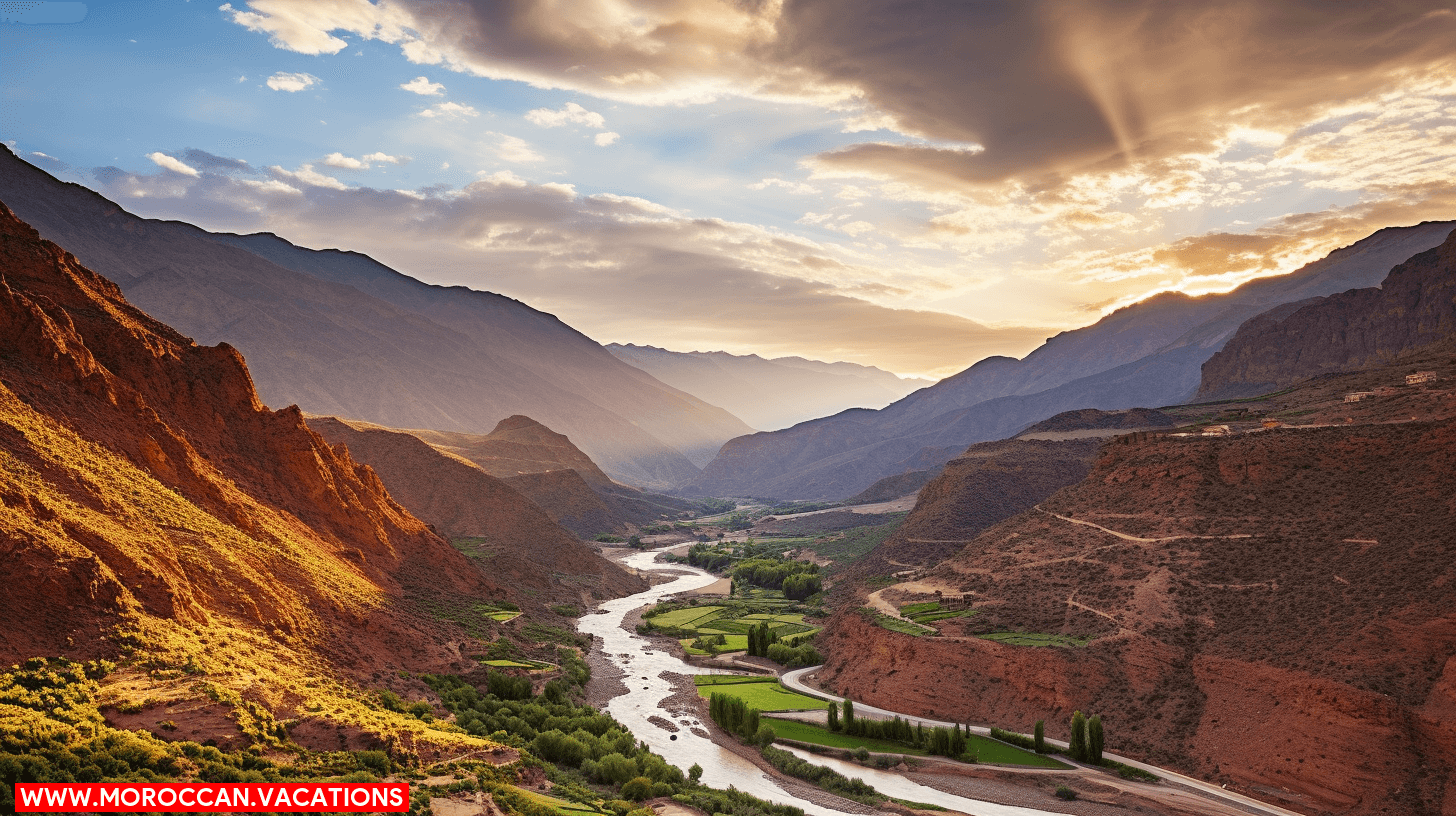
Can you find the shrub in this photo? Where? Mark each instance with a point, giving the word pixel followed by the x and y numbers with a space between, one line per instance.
pixel 637 789
pixel 1066 793
pixel 1038 737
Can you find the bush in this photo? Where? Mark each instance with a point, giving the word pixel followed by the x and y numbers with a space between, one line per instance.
pixel 1066 793
pixel 637 789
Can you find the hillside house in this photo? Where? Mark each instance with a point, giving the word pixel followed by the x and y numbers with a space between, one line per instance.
pixel 1218 430
pixel 1420 377
pixel 952 603
pixel 1359 395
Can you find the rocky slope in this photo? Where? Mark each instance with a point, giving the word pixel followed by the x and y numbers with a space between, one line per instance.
pixel 1274 610
pixel 1414 306
pixel 152 508
pixel 774 393
pixel 462 501
pixel 1147 354
pixel 558 476
pixel 341 334
pixel 990 482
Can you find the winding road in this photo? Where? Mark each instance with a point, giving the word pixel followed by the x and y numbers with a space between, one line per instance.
pixel 794 680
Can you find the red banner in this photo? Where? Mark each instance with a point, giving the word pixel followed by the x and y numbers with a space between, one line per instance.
pixel 204 797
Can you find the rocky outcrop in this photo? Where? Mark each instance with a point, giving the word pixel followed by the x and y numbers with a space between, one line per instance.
pixel 1415 306
pixel 1275 611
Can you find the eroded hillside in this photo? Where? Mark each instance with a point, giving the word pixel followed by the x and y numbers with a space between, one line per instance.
pixel 153 510
pixel 1274 610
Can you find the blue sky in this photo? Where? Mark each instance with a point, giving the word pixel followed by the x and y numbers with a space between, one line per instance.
pixel 909 185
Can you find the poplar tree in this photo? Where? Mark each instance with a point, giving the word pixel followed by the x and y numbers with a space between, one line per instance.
pixel 1038 736
pixel 833 717
pixel 1077 745
pixel 1094 739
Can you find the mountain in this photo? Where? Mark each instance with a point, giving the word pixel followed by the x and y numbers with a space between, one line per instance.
pixel 1256 621
pixel 338 333
pixel 463 501
pixel 988 483
pixel 553 473
pixel 770 393
pixel 1147 354
pixel 1414 306
pixel 152 509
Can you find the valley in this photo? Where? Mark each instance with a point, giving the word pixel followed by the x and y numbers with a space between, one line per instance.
pixel 613 605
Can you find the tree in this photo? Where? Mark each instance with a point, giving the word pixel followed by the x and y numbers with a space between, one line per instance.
pixel 848 714
pixel 1077 745
pixel 695 773
pixel 1094 739
pixel 764 736
pixel 1038 735
pixel 637 789
pixel 833 717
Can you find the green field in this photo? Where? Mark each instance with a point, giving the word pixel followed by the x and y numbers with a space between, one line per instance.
pixel 686 617
pixel 898 625
pixel 986 750
pixel 558 804
pixel 534 665
pixel 766 695
pixel 1035 639
pixel 502 617
pixel 729 679
pixel 930 611
pixel 733 643
pixel 723 620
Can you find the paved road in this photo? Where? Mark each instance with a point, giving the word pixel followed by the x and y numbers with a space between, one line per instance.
pixel 793 680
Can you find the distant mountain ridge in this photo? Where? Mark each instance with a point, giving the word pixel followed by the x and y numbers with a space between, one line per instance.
pixel 1413 307
pixel 341 334
pixel 774 393
pixel 1145 355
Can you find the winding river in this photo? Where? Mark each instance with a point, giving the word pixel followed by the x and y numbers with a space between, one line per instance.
pixel 642 666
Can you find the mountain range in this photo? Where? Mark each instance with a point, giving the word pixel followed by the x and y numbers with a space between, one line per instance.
pixel 338 333
pixel 772 393
pixel 1146 354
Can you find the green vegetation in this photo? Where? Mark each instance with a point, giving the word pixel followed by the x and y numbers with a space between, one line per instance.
pixel 765 695
pixel 824 778
pixel 931 611
pixel 1077 745
pixel 979 748
pixel 1038 737
pixel 896 624
pixel 1035 639
pixel 725 626
pixel 1064 792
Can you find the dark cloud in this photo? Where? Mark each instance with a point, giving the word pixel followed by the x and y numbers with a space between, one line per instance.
pixel 203 160
pixel 1049 86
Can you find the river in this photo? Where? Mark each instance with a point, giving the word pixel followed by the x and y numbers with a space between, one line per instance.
pixel 642 664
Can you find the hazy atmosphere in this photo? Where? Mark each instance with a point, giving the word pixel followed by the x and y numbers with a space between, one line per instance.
pixel 913 187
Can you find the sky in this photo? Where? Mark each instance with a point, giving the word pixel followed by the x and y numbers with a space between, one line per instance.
pixel 911 185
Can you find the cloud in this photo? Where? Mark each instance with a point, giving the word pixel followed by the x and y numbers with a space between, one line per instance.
pixel 449 110
pixel 166 162
pixel 615 267
pixel 513 149
pixel 217 164
pixel 293 83
pixel 350 163
pixel 608 138
pixel 794 187
pixel 424 87
pixel 308 176
pixel 572 114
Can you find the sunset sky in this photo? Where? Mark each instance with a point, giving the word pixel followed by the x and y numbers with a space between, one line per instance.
pixel 908 185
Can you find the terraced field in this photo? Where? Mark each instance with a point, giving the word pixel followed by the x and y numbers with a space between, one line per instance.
pixel 729 622
pixel 762 693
